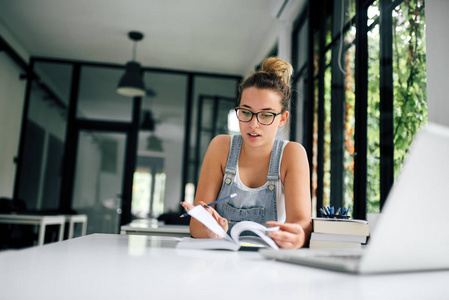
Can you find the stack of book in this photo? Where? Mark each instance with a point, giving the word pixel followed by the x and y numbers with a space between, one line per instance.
pixel 338 233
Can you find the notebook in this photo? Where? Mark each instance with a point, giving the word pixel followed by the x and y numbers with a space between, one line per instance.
pixel 412 232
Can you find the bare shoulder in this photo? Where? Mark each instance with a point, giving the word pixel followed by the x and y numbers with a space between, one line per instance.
pixel 294 156
pixel 294 161
pixel 220 143
pixel 294 150
pixel 218 149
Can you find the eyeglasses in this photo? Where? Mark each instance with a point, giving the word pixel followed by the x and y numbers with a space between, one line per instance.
pixel 264 118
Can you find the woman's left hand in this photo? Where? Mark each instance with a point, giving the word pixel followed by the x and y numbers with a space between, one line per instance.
pixel 289 235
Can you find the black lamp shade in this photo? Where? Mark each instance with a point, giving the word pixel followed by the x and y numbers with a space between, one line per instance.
pixel 148 121
pixel 131 84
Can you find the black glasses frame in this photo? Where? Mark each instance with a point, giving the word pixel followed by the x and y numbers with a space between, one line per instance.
pixel 257 115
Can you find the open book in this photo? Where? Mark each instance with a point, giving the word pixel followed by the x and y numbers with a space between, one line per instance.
pixel 226 242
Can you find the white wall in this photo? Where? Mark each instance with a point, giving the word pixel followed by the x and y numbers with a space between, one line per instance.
pixel 11 104
pixel 13 42
pixel 437 24
pixel 12 91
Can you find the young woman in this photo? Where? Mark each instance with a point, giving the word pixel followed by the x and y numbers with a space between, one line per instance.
pixel 269 176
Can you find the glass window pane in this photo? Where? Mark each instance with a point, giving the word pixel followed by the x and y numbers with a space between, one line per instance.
pixel 40 180
pixel 97 97
pixel 350 9
pixel 213 89
pixel 225 105
pixel 300 92
pixel 302 45
pixel 373 12
pixel 327 134
pixel 161 148
pixel 140 205
pixel 349 124
pixel 207 113
pixel 98 180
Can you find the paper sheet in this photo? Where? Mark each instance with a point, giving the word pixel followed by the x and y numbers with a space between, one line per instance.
pixel 202 215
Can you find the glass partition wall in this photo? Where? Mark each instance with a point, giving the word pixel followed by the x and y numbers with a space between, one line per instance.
pixel 38 180
pixel 160 145
pixel 89 150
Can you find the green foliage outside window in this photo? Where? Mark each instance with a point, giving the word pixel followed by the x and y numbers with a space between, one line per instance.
pixel 409 88
pixel 373 116
pixel 409 71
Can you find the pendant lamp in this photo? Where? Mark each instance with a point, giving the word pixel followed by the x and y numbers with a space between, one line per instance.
pixel 148 122
pixel 131 84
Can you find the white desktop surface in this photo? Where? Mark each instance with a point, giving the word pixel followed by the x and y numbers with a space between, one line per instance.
pixel 102 266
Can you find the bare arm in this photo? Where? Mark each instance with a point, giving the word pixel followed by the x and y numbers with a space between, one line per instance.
pixel 209 183
pixel 295 233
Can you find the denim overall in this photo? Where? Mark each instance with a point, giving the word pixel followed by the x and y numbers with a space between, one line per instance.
pixel 258 204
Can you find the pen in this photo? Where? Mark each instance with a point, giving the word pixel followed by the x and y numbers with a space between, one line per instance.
pixel 322 211
pixel 213 203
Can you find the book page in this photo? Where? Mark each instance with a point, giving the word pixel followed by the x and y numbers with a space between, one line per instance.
pixel 202 215
pixel 258 229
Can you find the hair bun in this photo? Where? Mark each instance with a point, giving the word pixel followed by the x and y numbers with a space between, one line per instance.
pixel 278 67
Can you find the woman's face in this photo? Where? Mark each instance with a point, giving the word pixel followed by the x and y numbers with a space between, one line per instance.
pixel 261 100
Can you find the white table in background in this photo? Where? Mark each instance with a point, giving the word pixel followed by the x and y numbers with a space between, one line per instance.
pixel 72 220
pixel 41 220
pixel 113 266
pixel 152 227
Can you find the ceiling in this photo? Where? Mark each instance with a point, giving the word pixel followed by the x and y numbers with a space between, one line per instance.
pixel 216 36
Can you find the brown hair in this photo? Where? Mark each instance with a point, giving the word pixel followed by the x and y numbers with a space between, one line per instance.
pixel 274 75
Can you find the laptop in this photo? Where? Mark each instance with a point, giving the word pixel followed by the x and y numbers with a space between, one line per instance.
pixel 412 232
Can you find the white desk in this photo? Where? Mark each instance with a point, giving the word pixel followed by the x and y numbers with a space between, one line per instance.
pixel 111 267
pixel 152 227
pixel 72 220
pixel 41 221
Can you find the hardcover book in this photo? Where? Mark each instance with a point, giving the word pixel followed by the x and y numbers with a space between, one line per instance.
pixel 340 226
pixel 339 237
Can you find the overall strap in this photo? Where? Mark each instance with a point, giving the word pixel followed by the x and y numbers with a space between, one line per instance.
pixel 275 161
pixel 233 157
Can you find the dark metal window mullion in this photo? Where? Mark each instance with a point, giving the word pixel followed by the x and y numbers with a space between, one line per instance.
pixel 130 162
pixel 71 144
pixel 216 107
pixel 199 122
pixel 361 102
pixel 309 96
pixel 187 129
pixel 386 122
pixel 321 111
pixel 337 113
pixel 29 85
pixel 298 25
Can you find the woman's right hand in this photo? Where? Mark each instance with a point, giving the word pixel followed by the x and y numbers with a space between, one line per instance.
pixel 220 220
